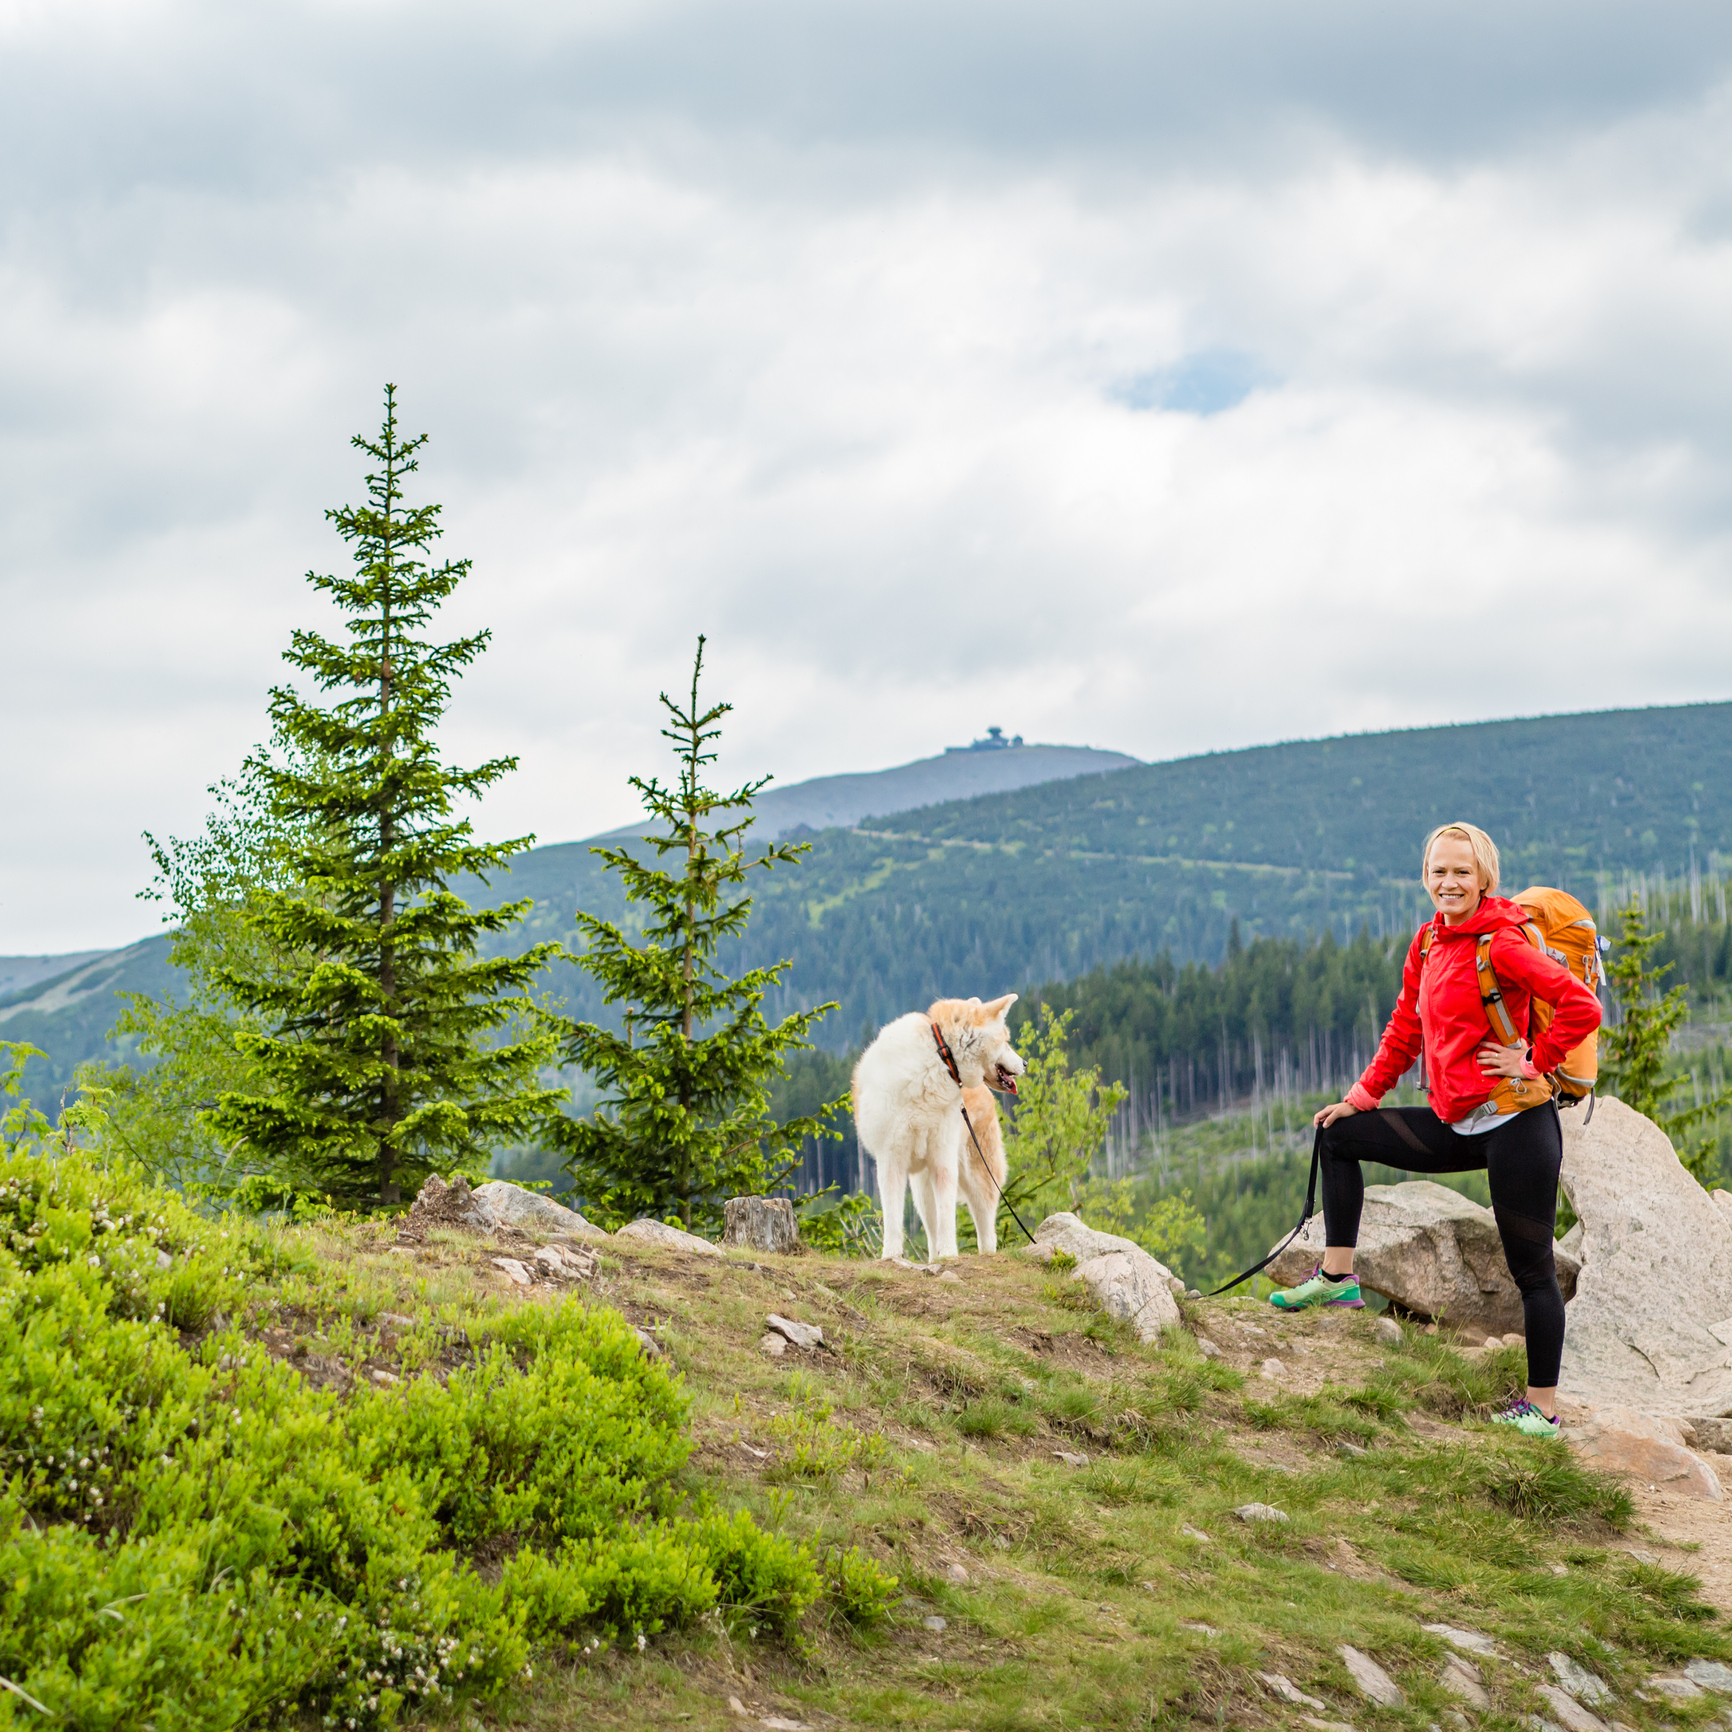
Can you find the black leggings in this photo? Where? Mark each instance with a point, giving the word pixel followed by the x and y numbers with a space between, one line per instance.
pixel 1521 1159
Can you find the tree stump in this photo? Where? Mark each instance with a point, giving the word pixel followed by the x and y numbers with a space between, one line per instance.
pixel 761 1224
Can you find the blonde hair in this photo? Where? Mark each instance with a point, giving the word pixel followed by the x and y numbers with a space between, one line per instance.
pixel 1484 852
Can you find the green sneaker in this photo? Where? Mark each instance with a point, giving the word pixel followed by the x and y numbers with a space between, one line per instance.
pixel 1320 1290
pixel 1528 1420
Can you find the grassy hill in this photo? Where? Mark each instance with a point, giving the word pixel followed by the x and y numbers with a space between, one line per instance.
pixel 358 1475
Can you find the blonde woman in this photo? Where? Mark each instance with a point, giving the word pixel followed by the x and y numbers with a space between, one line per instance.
pixel 1491 1105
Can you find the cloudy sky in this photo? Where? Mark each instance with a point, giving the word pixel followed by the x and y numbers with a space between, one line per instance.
pixel 1142 374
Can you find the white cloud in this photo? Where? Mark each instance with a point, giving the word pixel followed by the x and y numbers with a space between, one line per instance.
pixel 840 373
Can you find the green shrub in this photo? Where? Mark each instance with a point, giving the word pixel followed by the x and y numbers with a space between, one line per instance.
pixel 816 1447
pixel 197 1538
pixel 762 1577
pixel 860 1591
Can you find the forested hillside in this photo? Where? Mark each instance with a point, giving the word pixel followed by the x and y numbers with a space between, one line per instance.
pixel 1048 883
pixel 1044 885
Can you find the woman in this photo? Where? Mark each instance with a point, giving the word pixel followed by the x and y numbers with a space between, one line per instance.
pixel 1491 1105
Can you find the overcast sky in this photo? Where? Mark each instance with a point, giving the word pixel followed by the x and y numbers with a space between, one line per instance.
pixel 1156 376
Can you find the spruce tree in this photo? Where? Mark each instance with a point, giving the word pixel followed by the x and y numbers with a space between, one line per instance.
pixel 391 1048
pixel 683 1122
pixel 1636 1050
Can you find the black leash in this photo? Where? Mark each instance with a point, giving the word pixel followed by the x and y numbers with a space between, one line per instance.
pixel 1310 1206
pixel 949 1058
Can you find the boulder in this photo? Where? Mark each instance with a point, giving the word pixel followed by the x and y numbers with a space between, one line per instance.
pixel 438 1204
pixel 1649 1448
pixel 806 1335
pixel 1650 1326
pixel 1430 1250
pixel 675 1238
pixel 761 1224
pixel 1127 1285
pixel 1124 1279
pixel 513 1206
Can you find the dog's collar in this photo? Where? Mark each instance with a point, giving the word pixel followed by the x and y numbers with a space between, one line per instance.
pixel 947 1055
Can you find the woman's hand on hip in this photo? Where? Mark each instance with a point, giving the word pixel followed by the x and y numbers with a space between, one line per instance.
pixel 1325 1116
pixel 1506 1061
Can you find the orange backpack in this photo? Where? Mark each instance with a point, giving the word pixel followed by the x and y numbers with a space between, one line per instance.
pixel 1561 927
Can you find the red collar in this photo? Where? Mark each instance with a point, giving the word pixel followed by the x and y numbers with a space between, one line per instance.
pixel 947 1055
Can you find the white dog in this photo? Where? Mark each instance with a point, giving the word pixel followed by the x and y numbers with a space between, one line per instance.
pixel 911 1087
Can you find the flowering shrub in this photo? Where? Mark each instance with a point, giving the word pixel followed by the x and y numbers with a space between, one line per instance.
pixel 197 1537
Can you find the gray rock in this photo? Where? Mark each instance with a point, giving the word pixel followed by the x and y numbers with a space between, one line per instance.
pixel 518 1272
pixel 1272 1368
pixel 1387 1331
pixel 806 1335
pixel 1430 1250
pixel 1469 1641
pixel 1196 1534
pixel 1574 1716
pixel 1288 1691
pixel 936 1624
pixel 761 1224
pixel 567 1265
pixel 1715 1433
pixel 1125 1280
pixel 512 1206
pixel 1207 1348
pixel 674 1238
pixel 773 1344
pixel 1461 1679
pixel 1260 1512
pixel 1711 1675
pixel 1578 1680
pixel 1128 1285
pixel 1650 1326
pixel 1674 1689
pixel 1071 1457
pixel 956 1575
pixel 1371 1678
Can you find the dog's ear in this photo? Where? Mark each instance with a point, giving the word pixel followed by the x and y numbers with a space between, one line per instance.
pixel 999 1008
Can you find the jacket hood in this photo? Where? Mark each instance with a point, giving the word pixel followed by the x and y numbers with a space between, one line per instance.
pixel 1492 915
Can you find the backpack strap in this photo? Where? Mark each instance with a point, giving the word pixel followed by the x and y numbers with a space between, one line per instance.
pixel 1491 994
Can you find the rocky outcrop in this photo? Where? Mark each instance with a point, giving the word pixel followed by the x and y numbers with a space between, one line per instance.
pixel 761 1224
pixel 513 1206
pixel 1650 1326
pixel 1124 1279
pixel 1430 1250
pixel 1648 1448
pixel 660 1233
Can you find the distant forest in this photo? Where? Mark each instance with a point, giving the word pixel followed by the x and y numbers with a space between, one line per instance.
pixel 1278 1019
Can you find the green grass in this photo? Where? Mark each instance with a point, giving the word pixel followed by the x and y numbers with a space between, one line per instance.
pixel 1066 1591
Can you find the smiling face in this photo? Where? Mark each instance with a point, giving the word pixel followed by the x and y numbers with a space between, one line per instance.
pixel 1452 879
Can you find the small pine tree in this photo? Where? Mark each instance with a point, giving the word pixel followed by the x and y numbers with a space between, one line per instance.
pixel 391 1049
pixel 1635 1052
pixel 684 1122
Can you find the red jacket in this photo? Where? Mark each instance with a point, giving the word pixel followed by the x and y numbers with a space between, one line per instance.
pixel 1440 1007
